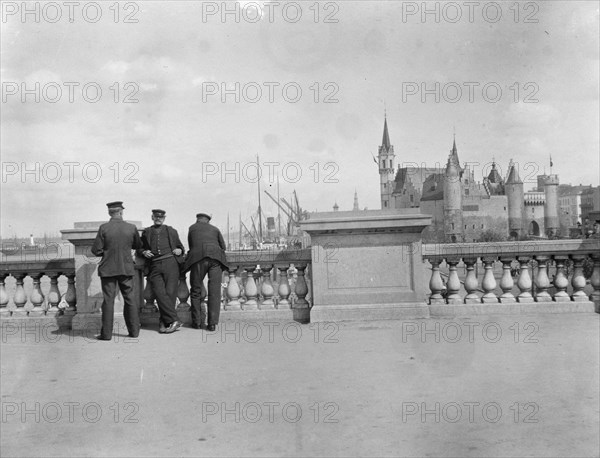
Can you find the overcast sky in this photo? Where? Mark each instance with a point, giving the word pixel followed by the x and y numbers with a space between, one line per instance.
pixel 168 150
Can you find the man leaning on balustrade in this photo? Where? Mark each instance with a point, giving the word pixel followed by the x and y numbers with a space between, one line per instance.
pixel 206 256
pixel 163 252
pixel 114 242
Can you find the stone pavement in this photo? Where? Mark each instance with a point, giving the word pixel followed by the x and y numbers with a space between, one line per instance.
pixel 489 386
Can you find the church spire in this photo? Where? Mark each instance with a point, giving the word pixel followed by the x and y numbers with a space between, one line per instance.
pixel 386 136
pixel 355 208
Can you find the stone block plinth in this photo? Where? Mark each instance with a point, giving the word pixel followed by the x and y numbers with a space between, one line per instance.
pixel 367 265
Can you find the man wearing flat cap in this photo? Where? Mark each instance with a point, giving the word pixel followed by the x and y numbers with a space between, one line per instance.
pixel 206 256
pixel 163 252
pixel 114 243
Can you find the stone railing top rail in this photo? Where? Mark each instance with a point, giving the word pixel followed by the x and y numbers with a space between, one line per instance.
pixel 37 266
pixel 522 248
pixel 408 219
pixel 267 257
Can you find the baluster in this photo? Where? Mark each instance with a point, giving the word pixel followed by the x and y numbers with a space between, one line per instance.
pixel 37 298
pixel 70 296
pixel 524 282
pixel 233 291
pixel 301 288
pixel 284 288
pixel 251 289
pixel 471 283
pixel 578 280
pixel 506 282
pixel 595 281
pixel 3 296
pixel 436 285
pixel 453 284
pixel 183 294
pixel 266 289
pixel 20 298
pixel 149 297
pixel 54 295
pixel 489 282
pixel 560 280
pixel 542 281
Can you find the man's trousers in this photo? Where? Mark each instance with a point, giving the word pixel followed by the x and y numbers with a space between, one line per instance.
pixel 164 281
pixel 197 293
pixel 130 308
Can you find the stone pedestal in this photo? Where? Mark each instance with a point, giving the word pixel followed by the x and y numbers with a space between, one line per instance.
pixel 87 282
pixel 367 265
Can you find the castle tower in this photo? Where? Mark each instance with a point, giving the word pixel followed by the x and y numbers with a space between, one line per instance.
pixel 551 221
pixel 516 202
pixel 386 162
pixel 453 220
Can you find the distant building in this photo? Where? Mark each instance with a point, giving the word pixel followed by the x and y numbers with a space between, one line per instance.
pixel 569 201
pixel 590 203
pixel 462 208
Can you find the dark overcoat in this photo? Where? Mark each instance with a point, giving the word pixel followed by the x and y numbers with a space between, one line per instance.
pixel 114 243
pixel 205 241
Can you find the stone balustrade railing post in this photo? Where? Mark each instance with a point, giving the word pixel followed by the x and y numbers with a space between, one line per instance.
pixel 561 282
pixel 54 297
pixel 251 289
pixel 233 291
pixel 578 280
pixel 524 282
pixel 506 282
pixel 471 283
pixel 489 282
pixel 183 294
pixel 70 296
pixel 283 289
pixel 20 298
pixel 453 285
pixel 301 287
pixel 37 298
pixel 4 312
pixel 542 282
pixel 266 288
pixel 436 285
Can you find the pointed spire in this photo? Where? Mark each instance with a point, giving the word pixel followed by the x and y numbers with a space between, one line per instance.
pixel 513 174
pixel 454 154
pixel 355 208
pixel 386 136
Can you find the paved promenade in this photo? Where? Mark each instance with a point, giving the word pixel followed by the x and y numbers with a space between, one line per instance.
pixel 489 386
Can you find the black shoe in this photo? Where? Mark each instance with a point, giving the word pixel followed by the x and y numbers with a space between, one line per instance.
pixel 162 328
pixel 103 338
pixel 211 327
pixel 196 326
pixel 174 326
pixel 134 336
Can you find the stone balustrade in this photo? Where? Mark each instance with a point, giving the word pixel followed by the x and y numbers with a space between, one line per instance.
pixel 256 281
pixel 364 267
pixel 20 302
pixel 540 272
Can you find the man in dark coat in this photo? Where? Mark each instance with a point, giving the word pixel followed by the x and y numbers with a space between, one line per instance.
pixel 164 252
pixel 206 255
pixel 114 243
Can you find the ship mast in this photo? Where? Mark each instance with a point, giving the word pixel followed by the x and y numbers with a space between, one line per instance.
pixel 260 234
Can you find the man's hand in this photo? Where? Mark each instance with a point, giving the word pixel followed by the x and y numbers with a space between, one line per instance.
pixel 177 251
pixel 148 254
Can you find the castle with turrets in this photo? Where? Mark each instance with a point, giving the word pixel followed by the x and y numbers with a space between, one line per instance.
pixel 462 208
